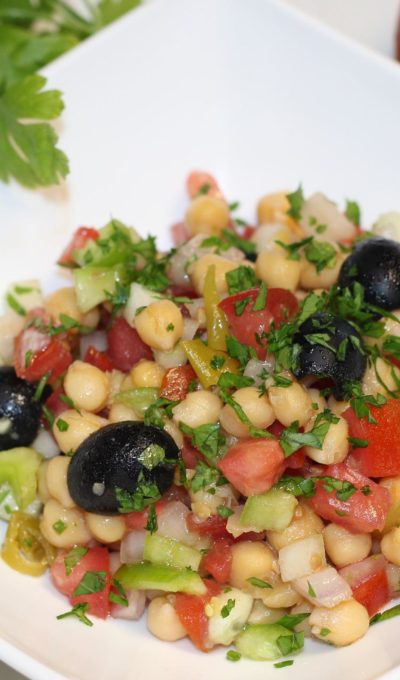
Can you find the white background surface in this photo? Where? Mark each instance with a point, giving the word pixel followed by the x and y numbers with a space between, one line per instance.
pixel 369 21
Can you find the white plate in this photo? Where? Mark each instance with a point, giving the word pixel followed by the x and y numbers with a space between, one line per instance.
pixel 263 98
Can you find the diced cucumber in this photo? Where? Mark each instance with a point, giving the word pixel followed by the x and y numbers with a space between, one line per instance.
pixel 272 510
pixel 93 283
pixel 110 248
pixel 18 469
pixel 160 577
pixel 138 398
pixel 162 550
pixel 259 641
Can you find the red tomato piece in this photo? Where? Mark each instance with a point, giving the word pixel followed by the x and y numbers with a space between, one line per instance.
pixel 361 513
pixel 138 520
pixel 190 455
pixel 97 358
pixel 218 560
pixel 79 240
pixel 281 305
pixel 381 458
pixel 298 458
pixel 214 526
pixel 125 348
pixel 199 179
pixel 190 610
pixel 176 381
pixel 369 583
pixel 96 559
pixel 35 354
pixel 253 465
pixel 55 404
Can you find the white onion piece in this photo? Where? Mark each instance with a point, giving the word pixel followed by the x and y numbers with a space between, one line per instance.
pixel 393 577
pixel 318 207
pixel 98 339
pixel 139 296
pixel 358 572
pixel 134 610
pixel 265 236
pixel 132 547
pixel 177 269
pixel 234 526
pixel 388 226
pixel 45 444
pixel 171 522
pixel 190 327
pixel 176 357
pixel 324 588
pixel 10 325
pixel 115 561
pixel 302 557
pixel 194 305
pixel 256 366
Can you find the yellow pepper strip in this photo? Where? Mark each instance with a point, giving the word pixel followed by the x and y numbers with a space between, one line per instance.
pixel 208 363
pixel 25 549
pixel 217 325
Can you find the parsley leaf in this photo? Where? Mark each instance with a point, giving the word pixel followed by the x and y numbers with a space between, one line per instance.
pixel 261 299
pixel 79 611
pixel 292 620
pixel 321 253
pixel 258 582
pixel 384 616
pixel 152 524
pixel 237 350
pixel 296 200
pixel 353 212
pixel 206 438
pixel 120 596
pixel 73 558
pixel 240 279
pixel 91 582
pixel 146 492
pixel 205 476
pixel 227 608
pixel 288 644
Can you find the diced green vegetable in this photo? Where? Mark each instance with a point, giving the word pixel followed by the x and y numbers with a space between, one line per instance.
pixel 111 248
pixel 160 577
pixel 272 510
pixel 93 283
pixel 162 550
pixel 139 399
pixel 260 641
pixel 18 468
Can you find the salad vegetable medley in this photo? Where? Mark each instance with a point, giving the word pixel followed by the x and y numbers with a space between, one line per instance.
pixel 212 434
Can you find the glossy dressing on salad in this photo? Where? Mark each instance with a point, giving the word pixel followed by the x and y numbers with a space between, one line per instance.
pixel 209 437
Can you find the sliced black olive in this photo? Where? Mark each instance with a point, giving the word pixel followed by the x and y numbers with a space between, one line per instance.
pixel 120 456
pixel 375 264
pixel 345 361
pixel 19 413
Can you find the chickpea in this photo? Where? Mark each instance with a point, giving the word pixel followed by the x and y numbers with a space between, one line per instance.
pixel 305 522
pixel 63 301
pixel 281 595
pixel 56 480
pixel 311 279
pixel 106 529
pixel 207 215
pixel 256 407
pixel 265 236
pixel 147 374
pixel 119 412
pixel 76 427
pixel 175 433
pixel 251 558
pixel 160 325
pixel 273 267
pixel 318 402
pixel 346 623
pixel 87 386
pixel 337 407
pixel 43 492
pixel 271 206
pixel 198 408
pixel 343 547
pixel 116 379
pixel 199 269
pixel 390 546
pixel 335 446
pixel 75 531
pixel 291 403
pixel 392 484
pixel 163 621
pixel 387 374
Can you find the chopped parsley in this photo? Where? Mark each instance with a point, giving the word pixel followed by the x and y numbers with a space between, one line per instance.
pixel 358 443
pixel 91 582
pixel 40 386
pixel 288 644
pixel 258 582
pixel 206 476
pixel 284 664
pixel 79 612
pixel 292 620
pixel 206 438
pixel 152 524
pixel 296 200
pixel 59 526
pixel 310 590
pixel 353 212
pixel 227 608
pixel 15 305
pixel 120 596
pixel 217 362
pixel 240 305
pixel 62 425
pixel 224 511
pixel 322 254
pixel 146 493
pixel 384 616
pixel 73 558
pixel 324 632
pixel 237 350
pixel 231 655
pixel 151 456
pixel 170 327
pixel 240 279
pixel 261 299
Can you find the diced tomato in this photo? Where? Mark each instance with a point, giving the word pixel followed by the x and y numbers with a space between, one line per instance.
pixel 199 179
pixel 297 459
pixel 97 358
pixel 96 559
pixel 218 560
pixel 248 232
pixel 138 520
pixel 179 233
pixel 125 348
pixel 381 458
pixel 281 305
pixel 79 240
pixel 190 455
pixel 176 381
pixel 55 404
pixel 181 291
pixel 190 610
pixel 369 583
pixel 253 465
pixel 36 354
pixel 214 526
pixel 362 512
pixel 177 493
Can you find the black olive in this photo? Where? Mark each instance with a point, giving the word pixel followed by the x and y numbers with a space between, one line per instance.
pixel 375 264
pixel 345 361
pixel 19 413
pixel 114 457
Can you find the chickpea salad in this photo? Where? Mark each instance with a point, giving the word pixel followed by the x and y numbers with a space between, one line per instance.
pixel 210 436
